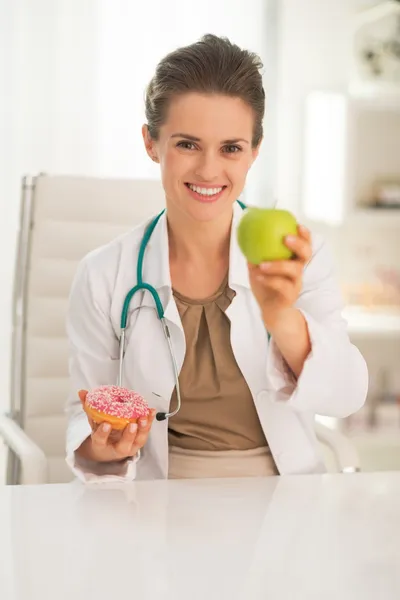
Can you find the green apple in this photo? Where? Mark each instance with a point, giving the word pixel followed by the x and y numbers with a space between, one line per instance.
pixel 261 234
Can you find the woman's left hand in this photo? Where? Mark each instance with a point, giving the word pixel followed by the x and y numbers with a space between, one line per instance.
pixel 276 285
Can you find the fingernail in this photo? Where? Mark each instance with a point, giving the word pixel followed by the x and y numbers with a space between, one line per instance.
pixel 290 239
pixel 143 423
pixel 132 428
pixel 265 266
pixel 106 427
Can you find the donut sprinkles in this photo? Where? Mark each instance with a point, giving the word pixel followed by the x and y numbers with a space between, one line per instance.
pixel 117 402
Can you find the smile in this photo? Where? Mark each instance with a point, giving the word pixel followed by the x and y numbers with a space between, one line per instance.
pixel 205 193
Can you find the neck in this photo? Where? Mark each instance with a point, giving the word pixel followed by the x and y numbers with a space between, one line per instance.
pixel 192 241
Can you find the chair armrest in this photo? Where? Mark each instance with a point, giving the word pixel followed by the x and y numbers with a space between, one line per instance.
pixel 345 453
pixel 33 459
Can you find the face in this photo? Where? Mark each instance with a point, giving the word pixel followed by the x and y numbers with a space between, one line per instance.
pixel 204 151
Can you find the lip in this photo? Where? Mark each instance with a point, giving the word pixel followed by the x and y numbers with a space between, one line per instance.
pixel 205 199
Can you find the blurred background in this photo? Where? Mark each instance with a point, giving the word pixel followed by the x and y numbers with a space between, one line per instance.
pixel 73 76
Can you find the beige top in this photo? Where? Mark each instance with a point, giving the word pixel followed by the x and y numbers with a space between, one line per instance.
pixel 218 411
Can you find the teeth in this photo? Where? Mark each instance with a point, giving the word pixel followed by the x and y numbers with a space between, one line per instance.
pixel 205 191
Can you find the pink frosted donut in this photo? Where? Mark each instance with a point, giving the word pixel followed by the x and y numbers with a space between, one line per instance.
pixel 115 405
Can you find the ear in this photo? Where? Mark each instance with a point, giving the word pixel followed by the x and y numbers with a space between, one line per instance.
pixel 149 143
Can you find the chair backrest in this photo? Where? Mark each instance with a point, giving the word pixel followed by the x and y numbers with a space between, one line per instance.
pixel 62 219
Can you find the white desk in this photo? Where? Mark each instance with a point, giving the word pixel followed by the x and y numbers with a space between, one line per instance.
pixel 333 537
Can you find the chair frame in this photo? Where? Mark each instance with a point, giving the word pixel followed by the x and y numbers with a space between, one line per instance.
pixel 24 456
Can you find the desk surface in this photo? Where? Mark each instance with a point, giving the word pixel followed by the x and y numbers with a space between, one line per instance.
pixel 293 538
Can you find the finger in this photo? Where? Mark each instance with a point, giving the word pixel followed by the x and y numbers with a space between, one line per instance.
pixel 145 422
pixel 300 247
pixel 135 436
pixel 292 269
pixel 101 435
pixel 304 233
pixel 148 422
pixel 153 413
pixel 143 431
pixel 125 444
pixel 82 396
pixel 280 285
pixel 115 436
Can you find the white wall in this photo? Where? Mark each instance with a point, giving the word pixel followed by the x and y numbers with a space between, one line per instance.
pixel 314 46
pixel 49 116
pixel 74 75
pixel 314 54
pixel 131 42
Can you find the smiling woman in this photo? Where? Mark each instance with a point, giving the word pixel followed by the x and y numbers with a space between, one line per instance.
pixel 260 349
pixel 204 125
pixel 218 157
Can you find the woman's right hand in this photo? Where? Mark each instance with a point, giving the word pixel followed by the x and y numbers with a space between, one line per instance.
pixel 104 446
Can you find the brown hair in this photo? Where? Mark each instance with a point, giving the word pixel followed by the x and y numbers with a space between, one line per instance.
pixel 212 65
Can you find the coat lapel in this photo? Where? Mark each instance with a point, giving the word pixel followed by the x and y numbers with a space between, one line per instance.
pixel 249 337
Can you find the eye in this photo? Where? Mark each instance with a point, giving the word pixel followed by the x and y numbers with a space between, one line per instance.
pixel 231 149
pixel 186 145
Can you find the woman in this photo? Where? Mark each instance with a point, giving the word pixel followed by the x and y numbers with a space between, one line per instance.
pixel 249 400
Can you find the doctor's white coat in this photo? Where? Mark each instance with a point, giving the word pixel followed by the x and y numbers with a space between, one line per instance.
pixel 334 380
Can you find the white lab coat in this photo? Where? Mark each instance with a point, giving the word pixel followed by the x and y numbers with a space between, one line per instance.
pixel 334 380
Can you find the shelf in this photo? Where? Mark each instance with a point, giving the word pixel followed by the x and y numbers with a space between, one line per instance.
pixel 371 323
pixel 343 155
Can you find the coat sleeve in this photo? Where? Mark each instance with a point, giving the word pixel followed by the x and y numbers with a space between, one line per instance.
pixel 93 353
pixel 334 380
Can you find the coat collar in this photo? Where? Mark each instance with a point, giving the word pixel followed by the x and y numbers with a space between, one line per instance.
pixel 156 261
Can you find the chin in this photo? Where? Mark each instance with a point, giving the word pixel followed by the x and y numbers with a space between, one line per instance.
pixel 208 208
pixel 208 212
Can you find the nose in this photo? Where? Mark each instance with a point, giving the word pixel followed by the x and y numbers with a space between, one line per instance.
pixel 207 167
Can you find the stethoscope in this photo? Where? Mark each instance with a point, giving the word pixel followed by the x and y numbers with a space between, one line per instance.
pixel 142 286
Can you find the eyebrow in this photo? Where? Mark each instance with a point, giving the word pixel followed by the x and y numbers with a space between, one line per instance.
pixel 192 138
